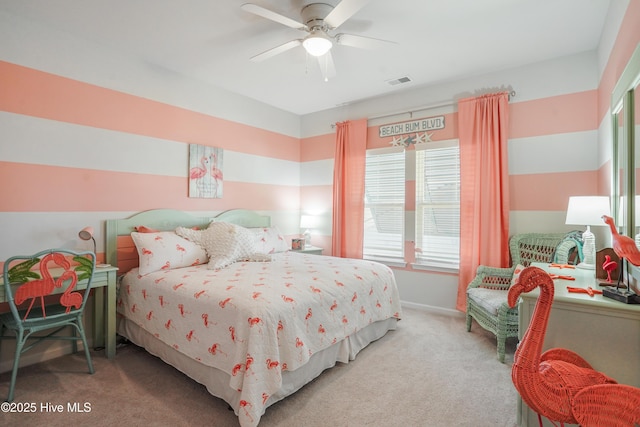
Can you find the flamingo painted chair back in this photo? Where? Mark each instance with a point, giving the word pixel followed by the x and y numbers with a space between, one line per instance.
pixel 611 405
pixel 42 292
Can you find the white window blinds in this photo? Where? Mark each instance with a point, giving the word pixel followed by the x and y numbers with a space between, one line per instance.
pixel 384 205
pixel 438 205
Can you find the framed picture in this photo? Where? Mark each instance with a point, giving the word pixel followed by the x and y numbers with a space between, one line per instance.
pixel 297 244
pixel 205 172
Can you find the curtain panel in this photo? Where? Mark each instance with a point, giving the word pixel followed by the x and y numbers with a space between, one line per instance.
pixel 484 180
pixel 348 189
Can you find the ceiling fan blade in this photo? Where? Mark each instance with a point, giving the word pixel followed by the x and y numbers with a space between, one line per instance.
pixel 343 11
pixel 361 41
pixel 276 50
pixel 327 67
pixel 273 16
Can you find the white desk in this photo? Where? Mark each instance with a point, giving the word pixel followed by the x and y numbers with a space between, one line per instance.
pixel 605 332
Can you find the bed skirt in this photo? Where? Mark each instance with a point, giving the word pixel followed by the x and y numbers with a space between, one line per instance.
pixel 217 381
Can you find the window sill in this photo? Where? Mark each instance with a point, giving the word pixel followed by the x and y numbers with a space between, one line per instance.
pixel 439 269
pixel 388 262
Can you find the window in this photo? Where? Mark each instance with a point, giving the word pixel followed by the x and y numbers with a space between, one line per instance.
pixel 384 205
pixel 388 218
pixel 438 205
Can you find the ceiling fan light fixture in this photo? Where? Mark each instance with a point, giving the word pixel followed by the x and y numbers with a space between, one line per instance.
pixel 317 43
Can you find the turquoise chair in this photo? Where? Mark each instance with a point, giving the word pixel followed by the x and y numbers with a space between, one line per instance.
pixel 41 290
pixel 487 292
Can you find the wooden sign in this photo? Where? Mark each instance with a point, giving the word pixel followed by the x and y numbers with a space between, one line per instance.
pixel 422 125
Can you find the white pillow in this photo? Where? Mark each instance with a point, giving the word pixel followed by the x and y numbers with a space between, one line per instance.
pixel 166 250
pixel 191 234
pixel 224 242
pixel 269 240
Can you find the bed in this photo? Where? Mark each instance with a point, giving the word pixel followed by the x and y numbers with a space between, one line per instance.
pixel 256 329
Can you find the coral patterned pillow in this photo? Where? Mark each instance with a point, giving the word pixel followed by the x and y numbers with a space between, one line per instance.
pixel 269 240
pixel 224 242
pixel 516 274
pixel 166 250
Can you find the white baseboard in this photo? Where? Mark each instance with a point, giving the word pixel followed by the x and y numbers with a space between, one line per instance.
pixel 432 308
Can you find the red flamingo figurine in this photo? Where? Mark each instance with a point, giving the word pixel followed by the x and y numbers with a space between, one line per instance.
pixel 547 381
pixel 609 265
pixel 624 246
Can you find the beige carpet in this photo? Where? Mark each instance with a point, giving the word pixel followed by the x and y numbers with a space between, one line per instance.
pixel 429 372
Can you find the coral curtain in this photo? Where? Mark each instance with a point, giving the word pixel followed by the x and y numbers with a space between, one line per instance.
pixel 348 189
pixel 484 194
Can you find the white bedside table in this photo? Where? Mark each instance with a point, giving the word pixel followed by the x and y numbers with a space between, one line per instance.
pixel 315 250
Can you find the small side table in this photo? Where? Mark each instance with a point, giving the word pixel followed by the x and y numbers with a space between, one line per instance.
pixel 314 250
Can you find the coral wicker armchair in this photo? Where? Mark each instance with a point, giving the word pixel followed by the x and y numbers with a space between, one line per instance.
pixel 487 292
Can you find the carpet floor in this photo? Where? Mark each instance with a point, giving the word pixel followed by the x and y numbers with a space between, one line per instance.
pixel 428 372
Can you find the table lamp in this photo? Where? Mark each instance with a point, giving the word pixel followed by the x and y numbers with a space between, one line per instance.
pixel 87 234
pixel 307 222
pixel 588 210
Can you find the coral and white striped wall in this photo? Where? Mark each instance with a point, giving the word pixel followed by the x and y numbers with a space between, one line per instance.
pixel 559 136
pixel 73 148
pixel 559 140
pixel 90 134
pixel 553 147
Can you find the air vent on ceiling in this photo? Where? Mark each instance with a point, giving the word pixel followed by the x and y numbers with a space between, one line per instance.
pixel 401 80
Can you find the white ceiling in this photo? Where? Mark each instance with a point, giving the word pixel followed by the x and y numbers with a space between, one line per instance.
pixel 437 41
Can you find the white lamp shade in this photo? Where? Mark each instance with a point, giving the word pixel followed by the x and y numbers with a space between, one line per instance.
pixel 587 210
pixel 308 221
pixel 317 44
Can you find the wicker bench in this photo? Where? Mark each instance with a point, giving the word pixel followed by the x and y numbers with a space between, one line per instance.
pixel 487 292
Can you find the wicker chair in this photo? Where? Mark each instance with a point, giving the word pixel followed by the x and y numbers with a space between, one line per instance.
pixel 487 293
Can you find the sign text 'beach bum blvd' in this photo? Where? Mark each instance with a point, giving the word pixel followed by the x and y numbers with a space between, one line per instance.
pixel 430 123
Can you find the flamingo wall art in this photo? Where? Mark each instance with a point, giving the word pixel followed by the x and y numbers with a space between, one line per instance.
pixel 205 171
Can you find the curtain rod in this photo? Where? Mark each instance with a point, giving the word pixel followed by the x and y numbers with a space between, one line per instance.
pixel 512 94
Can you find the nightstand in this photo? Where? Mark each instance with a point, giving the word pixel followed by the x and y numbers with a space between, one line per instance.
pixel 314 250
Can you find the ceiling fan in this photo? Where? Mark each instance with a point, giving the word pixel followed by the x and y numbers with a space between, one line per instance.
pixel 319 21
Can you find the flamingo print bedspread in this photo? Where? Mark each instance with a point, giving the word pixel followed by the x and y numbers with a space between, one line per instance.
pixel 255 319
